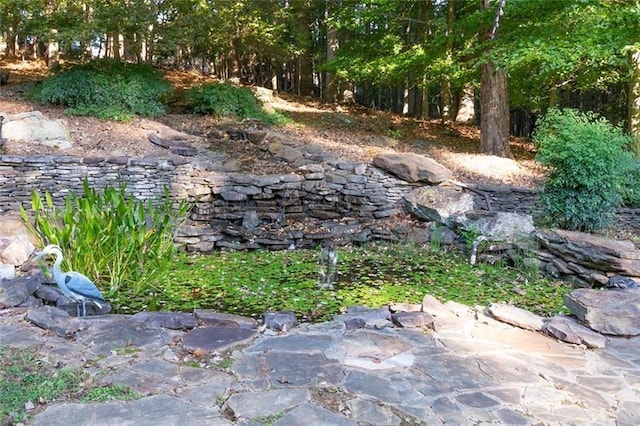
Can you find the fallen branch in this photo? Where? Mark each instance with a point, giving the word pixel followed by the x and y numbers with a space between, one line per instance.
pixel 477 191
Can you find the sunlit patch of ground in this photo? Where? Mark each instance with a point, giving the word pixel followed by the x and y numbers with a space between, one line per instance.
pixel 490 168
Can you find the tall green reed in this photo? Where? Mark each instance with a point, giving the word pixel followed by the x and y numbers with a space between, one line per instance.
pixel 120 242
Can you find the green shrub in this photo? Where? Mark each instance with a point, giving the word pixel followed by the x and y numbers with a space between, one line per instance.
pixel 106 89
pixel 589 168
pixel 631 190
pixel 119 242
pixel 227 100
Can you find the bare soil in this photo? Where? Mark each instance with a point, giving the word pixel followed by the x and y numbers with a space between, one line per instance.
pixel 347 131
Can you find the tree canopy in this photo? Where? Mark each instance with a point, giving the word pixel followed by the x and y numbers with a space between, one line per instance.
pixel 416 57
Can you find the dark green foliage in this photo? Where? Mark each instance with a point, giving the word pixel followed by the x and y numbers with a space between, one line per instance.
pixel 589 165
pixel 106 89
pixel 227 100
pixel 121 243
pixel 631 190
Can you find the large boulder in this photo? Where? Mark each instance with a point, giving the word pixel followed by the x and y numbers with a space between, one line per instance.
pixel 15 250
pixel 438 203
pixel 498 226
pixel 34 126
pixel 413 167
pixel 592 251
pixel 17 291
pixel 615 312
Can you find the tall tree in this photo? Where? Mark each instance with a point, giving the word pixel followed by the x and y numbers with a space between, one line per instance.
pixel 304 61
pixel 494 98
pixel 634 97
pixel 331 89
pixel 445 90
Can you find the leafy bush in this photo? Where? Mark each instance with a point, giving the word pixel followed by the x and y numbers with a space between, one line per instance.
pixel 590 168
pixel 631 191
pixel 106 89
pixel 227 100
pixel 117 241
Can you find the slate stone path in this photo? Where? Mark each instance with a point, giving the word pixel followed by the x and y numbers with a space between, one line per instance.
pixel 471 370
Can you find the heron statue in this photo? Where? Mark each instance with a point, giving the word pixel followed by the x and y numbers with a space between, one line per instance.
pixel 74 285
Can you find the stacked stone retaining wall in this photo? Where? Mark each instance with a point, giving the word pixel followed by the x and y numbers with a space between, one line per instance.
pixel 316 203
pixel 219 200
pixel 515 199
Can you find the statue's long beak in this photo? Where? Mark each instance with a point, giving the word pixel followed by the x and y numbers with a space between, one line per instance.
pixel 40 255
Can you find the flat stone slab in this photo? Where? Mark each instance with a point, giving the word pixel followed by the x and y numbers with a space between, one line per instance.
pixel 278 369
pixel 413 167
pixel 216 338
pixel 569 330
pixel 156 376
pixel 18 337
pixel 311 415
pixel 413 319
pixel 615 312
pixel 438 203
pixel 108 334
pixel 502 226
pixel 249 405
pixel 56 320
pixel 592 251
pixel 221 319
pixel 516 316
pixel 369 413
pixel 170 320
pixel 295 343
pixel 153 410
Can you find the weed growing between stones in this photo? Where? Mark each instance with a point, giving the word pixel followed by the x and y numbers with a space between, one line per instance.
pixel 28 382
pixel 110 393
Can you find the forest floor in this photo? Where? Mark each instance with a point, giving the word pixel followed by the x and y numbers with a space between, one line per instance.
pixel 350 132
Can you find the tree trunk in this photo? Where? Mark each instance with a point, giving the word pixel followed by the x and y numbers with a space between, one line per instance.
pixel 53 50
pixel 634 100
pixel 85 41
pixel 405 99
pixel 553 96
pixel 467 111
pixel 303 33
pixel 494 99
pixel 494 119
pixel 331 89
pixel 10 37
pixel 447 99
pixel 424 112
pixel 426 18
pixel 235 70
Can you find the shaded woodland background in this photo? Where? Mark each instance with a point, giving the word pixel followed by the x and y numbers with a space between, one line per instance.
pixel 496 63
